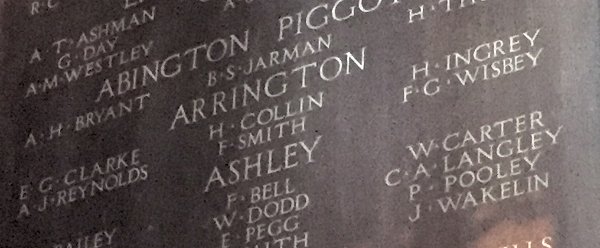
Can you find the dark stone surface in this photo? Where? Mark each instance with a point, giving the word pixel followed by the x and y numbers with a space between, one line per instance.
pixel 364 125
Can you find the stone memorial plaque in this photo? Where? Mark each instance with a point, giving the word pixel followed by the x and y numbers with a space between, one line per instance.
pixel 300 123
